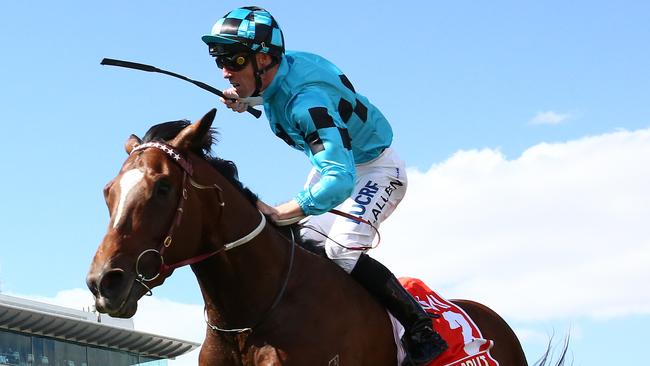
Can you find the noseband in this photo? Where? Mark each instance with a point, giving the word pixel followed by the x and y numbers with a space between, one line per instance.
pixel 186 166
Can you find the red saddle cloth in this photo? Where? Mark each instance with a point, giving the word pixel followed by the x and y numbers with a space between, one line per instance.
pixel 467 347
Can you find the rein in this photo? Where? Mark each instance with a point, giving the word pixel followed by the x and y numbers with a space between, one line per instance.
pixel 361 221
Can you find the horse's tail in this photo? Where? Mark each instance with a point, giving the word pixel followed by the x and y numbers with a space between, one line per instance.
pixel 548 354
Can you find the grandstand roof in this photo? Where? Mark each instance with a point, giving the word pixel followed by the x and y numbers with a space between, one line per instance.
pixel 91 328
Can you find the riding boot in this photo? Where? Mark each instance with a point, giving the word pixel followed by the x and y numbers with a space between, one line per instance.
pixel 422 343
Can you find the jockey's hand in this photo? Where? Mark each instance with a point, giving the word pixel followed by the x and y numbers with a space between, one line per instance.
pixel 236 105
pixel 267 210
pixel 284 211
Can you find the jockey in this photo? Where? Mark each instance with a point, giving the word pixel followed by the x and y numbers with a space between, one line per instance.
pixel 313 107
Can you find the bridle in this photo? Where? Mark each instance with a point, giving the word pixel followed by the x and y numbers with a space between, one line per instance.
pixel 142 279
pixel 188 171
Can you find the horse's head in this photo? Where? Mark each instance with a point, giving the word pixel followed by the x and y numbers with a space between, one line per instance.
pixel 151 219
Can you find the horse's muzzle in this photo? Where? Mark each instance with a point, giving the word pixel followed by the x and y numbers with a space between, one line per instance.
pixel 113 292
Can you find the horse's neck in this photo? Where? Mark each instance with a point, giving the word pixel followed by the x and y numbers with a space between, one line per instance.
pixel 243 282
pixel 240 286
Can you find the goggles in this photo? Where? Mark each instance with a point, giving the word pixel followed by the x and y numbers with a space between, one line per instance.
pixel 236 62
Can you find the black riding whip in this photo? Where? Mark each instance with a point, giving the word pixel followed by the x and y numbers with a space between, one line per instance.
pixel 149 68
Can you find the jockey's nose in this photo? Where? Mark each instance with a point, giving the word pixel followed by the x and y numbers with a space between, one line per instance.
pixel 226 74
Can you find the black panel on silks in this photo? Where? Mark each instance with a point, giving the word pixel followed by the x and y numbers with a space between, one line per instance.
pixel 321 118
pixel 284 135
pixel 345 137
pixel 346 82
pixel 315 143
pixel 361 111
pixel 345 110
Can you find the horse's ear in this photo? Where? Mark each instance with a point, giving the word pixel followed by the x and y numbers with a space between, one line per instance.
pixel 193 136
pixel 131 143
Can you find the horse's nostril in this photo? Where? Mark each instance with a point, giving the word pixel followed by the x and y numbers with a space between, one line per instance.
pixel 110 283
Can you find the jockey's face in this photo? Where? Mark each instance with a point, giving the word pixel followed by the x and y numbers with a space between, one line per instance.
pixel 244 80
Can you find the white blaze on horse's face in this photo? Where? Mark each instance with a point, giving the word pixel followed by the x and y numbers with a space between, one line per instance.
pixel 129 180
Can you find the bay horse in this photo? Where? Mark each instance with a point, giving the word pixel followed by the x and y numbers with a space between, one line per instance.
pixel 267 300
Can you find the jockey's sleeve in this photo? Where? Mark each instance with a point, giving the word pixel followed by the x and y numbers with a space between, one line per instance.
pixel 327 144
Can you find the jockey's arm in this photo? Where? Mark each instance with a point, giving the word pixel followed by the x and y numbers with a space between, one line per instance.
pixel 284 211
pixel 327 144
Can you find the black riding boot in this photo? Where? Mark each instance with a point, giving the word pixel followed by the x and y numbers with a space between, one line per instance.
pixel 422 343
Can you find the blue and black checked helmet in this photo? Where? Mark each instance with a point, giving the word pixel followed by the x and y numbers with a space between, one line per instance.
pixel 251 27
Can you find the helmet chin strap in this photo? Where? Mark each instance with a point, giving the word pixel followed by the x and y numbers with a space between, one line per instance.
pixel 258 74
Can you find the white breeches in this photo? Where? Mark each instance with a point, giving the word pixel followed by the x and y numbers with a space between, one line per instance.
pixel 379 187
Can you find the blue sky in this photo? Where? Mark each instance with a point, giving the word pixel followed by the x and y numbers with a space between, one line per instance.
pixel 522 122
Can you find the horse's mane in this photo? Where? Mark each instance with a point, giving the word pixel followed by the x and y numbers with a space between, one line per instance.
pixel 166 131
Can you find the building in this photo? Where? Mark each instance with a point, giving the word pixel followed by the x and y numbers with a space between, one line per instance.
pixel 34 333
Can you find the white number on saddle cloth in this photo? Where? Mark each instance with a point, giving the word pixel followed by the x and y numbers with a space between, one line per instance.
pixel 467 347
pixel 455 320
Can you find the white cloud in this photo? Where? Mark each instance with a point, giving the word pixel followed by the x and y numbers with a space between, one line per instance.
pixel 559 232
pixel 532 335
pixel 549 118
pixel 78 299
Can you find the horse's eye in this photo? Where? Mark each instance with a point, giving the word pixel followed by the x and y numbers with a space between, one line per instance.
pixel 162 188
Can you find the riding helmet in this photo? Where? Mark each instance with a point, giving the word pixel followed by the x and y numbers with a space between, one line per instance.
pixel 251 28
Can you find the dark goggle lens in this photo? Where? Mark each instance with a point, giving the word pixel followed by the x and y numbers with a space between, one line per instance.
pixel 234 62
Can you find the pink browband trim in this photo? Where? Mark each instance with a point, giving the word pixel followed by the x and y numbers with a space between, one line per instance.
pixel 170 151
